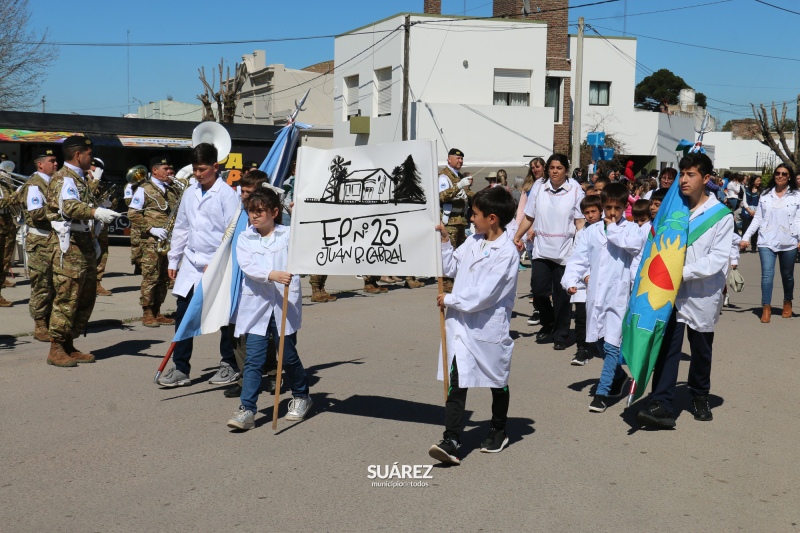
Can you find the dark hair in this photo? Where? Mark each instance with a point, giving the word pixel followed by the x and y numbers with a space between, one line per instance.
pixel 265 198
pixel 644 183
pixel 658 195
pixel 669 171
pixel 254 178
pixel 203 154
pixel 653 173
pixel 641 208
pixel 70 151
pixel 602 179
pixel 792 180
pixel 615 192
pixel 591 201
pixel 561 158
pixel 696 159
pixel 496 201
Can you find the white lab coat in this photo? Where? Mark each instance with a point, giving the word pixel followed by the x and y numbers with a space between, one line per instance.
pixel 699 298
pixel 605 254
pixel 199 227
pixel 777 221
pixel 580 295
pixel 479 309
pixel 261 298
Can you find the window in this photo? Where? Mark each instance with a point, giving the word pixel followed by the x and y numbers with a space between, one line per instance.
pixel 552 96
pixel 598 92
pixel 383 82
pixel 351 96
pixel 512 87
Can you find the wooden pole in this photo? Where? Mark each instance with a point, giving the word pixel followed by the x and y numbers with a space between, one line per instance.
pixel 445 369
pixel 280 358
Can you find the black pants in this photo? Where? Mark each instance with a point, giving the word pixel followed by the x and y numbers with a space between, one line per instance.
pixel 665 372
pixel 457 399
pixel 183 349
pixel 580 324
pixel 546 280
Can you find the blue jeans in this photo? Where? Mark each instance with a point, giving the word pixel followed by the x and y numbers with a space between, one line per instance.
pixel 183 349
pixel 786 259
pixel 257 356
pixel 612 367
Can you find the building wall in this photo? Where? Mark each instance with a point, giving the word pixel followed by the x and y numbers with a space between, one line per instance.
pixel 450 94
pixel 171 110
pixel 744 155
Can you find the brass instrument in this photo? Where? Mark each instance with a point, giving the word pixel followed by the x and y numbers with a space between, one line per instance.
pixel 11 183
pixel 136 174
pixel 162 247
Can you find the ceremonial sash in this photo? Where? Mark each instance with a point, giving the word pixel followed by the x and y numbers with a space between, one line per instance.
pixel 705 220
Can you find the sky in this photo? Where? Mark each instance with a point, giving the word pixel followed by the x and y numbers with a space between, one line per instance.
pixel 755 60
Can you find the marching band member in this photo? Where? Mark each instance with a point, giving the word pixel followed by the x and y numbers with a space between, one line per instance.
pixel 206 210
pixel 151 208
pixel 8 229
pixel 101 230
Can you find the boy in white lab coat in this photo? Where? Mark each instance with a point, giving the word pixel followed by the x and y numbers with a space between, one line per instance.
pixel 262 251
pixel 479 309
pixel 698 302
pixel 603 261
pixel 592 209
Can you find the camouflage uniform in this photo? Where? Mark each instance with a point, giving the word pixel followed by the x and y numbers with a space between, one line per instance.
pixel 74 272
pixel 8 232
pixel 33 197
pixel 151 208
pixel 457 220
pixel 136 242
pixel 318 292
pixel 97 188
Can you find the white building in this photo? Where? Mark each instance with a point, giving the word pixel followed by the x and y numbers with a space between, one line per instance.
pixel 741 155
pixel 609 83
pixel 171 110
pixel 478 86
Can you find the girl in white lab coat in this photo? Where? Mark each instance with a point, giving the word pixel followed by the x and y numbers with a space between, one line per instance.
pixel 262 251
pixel 479 309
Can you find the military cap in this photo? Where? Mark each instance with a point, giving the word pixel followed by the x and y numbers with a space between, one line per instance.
pixel 250 165
pixel 77 140
pixel 3 157
pixel 455 151
pixel 97 162
pixel 158 160
pixel 44 152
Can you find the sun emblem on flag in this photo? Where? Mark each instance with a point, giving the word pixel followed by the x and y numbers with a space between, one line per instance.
pixel 662 272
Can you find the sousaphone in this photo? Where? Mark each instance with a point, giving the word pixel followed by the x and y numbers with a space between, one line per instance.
pixel 212 133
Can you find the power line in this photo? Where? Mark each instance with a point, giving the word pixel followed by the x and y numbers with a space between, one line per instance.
pixel 778 7
pixel 664 10
pixel 515 15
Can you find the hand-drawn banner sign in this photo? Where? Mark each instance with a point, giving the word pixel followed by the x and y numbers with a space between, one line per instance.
pixel 366 210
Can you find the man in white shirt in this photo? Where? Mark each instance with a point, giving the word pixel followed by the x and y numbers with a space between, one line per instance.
pixel 699 300
pixel 206 210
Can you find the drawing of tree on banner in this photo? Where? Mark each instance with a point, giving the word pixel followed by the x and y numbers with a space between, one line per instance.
pixel 409 187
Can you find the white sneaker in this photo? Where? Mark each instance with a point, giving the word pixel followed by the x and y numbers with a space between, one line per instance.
pixel 225 375
pixel 174 378
pixel 726 302
pixel 243 419
pixel 298 408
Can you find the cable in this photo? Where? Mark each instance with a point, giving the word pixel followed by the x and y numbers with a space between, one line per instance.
pixel 665 10
pixel 778 7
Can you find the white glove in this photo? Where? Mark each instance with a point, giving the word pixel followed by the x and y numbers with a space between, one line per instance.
pixel 159 233
pixel 105 215
pixel 461 195
pixel 464 183
pixel 97 173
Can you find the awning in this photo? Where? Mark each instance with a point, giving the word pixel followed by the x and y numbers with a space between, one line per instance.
pixel 15 135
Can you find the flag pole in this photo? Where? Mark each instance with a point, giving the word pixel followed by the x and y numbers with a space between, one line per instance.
pixel 630 395
pixel 280 358
pixel 164 361
pixel 445 373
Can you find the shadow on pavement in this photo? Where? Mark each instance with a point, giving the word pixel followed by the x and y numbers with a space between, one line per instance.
pixel 683 402
pixel 127 348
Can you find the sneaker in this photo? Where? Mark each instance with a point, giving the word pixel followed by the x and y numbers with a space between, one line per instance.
pixel 445 452
pixel 581 357
pixel 234 391
pixel 298 408
pixel 702 411
pixel 225 375
pixel 599 404
pixel 243 419
pixel 174 378
pixel 727 301
pixel 272 383
pixel 522 268
pixel 558 345
pixel 534 319
pixel 544 335
pixel 657 416
pixel 495 441
pixel 618 387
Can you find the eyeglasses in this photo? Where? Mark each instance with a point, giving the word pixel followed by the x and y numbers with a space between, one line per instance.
pixel 782 174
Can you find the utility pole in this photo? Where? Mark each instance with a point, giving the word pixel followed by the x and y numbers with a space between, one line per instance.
pixel 576 105
pixel 44 99
pixel 406 54
pixel 128 49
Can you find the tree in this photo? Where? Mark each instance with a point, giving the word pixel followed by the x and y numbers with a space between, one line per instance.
pixel 728 126
pixel 409 188
pixel 25 56
pixel 226 98
pixel 781 127
pixel 662 86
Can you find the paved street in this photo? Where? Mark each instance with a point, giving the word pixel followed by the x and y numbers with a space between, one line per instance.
pixel 100 448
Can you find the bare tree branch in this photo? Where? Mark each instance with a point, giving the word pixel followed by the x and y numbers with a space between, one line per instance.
pixel 762 117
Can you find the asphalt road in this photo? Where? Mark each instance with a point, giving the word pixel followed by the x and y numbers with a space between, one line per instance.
pixel 100 448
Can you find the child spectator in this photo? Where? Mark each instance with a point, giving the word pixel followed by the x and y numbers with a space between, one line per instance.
pixel 641 212
pixel 603 262
pixel 478 314
pixel 263 252
pixel 592 209
pixel 655 201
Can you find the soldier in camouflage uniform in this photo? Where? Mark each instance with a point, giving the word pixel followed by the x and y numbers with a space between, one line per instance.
pixel 454 197
pixel 152 205
pixel 8 232
pixel 100 188
pixel 75 253
pixel 33 198
pixel 136 238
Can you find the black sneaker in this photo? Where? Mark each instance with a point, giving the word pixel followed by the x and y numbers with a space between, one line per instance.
pixel 618 387
pixel 445 452
pixel 702 411
pixel 581 357
pixel 544 334
pixel 559 345
pixel 234 391
pixel 599 404
pixel 534 319
pixel 657 416
pixel 495 441
pixel 272 382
